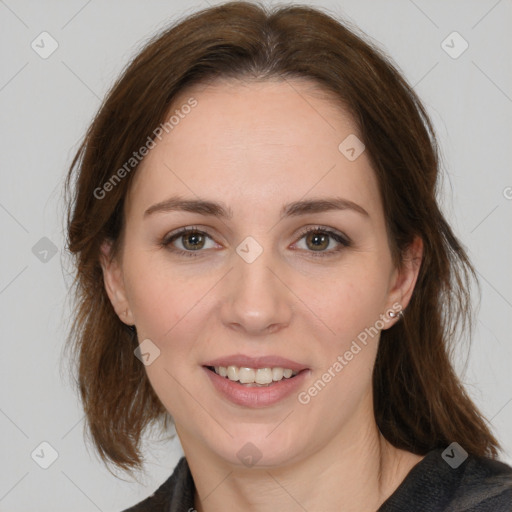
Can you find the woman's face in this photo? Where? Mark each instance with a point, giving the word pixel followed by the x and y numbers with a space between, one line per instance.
pixel 247 287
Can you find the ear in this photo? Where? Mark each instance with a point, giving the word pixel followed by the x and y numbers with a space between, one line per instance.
pixel 114 283
pixel 404 278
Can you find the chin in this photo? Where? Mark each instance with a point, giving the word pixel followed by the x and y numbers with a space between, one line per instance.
pixel 255 447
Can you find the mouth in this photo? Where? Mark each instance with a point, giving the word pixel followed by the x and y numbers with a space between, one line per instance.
pixel 256 381
pixel 254 377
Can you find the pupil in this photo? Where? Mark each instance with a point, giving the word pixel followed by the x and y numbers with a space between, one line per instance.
pixel 319 240
pixel 196 239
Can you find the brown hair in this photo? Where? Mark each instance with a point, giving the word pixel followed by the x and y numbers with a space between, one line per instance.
pixel 419 402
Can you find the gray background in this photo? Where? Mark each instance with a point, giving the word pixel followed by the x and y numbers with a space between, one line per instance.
pixel 46 105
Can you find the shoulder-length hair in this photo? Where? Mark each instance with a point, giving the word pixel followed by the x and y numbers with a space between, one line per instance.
pixel 419 402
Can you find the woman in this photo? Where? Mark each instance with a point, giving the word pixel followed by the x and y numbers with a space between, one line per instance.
pixel 261 259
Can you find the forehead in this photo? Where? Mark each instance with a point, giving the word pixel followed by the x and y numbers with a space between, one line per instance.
pixel 271 139
pixel 277 113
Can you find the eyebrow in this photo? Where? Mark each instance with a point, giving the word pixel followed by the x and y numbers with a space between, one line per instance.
pixel 216 209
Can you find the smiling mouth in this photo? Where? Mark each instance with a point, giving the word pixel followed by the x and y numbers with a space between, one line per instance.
pixel 254 377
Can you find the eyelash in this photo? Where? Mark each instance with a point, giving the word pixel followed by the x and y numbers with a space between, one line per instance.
pixel 343 241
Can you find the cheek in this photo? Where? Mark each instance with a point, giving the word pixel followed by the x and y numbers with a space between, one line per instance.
pixel 350 307
pixel 168 311
pixel 351 301
pixel 161 296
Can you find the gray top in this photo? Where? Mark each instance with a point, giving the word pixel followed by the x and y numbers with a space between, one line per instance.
pixel 476 485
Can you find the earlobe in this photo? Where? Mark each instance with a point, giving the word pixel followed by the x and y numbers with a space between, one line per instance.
pixel 411 268
pixel 114 283
pixel 406 276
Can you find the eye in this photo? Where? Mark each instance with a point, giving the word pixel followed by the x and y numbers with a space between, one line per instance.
pixel 188 241
pixel 319 241
pixel 322 241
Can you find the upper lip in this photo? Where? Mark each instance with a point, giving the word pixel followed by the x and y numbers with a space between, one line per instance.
pixel 245 361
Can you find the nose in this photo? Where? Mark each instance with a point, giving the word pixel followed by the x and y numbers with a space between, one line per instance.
pixel 256 300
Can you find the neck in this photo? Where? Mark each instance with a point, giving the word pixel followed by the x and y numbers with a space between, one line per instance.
pixel 357 471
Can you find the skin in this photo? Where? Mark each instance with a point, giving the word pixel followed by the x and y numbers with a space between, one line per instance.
pixel 255 146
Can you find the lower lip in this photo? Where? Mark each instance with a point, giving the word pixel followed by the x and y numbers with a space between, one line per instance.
pixel 256 397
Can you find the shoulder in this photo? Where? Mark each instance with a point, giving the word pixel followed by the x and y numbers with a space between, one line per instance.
pixel 175 494
pixel 444 481
pixel 485 485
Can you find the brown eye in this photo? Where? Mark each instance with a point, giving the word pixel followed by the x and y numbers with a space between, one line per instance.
pixel 188 242
pixel 321 241
pixel 317 240
pixel 193 241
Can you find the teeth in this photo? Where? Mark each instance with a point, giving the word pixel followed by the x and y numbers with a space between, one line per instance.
pixel 277 374
pixel 261 376
pixel 232 372
pixel 246 375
